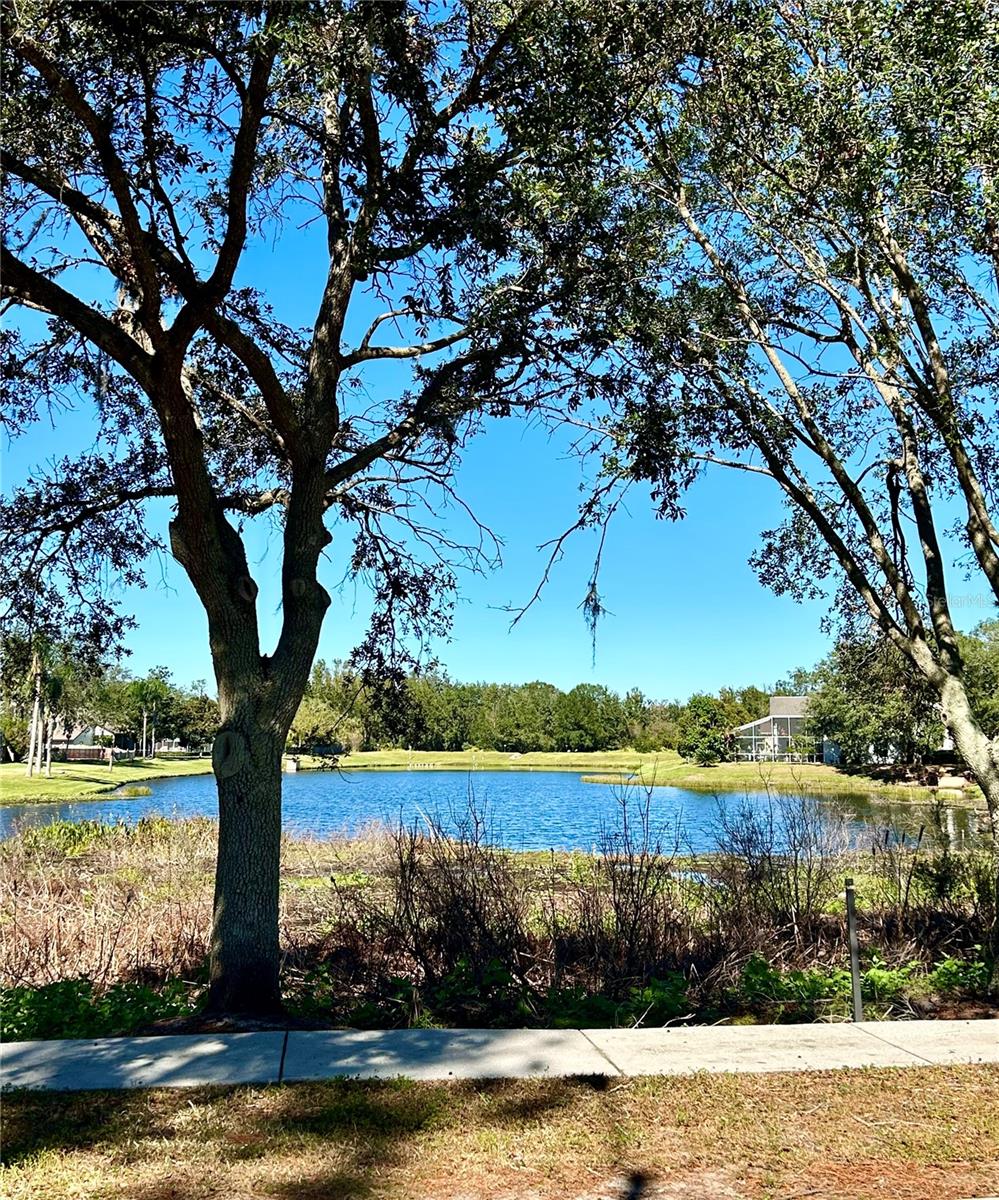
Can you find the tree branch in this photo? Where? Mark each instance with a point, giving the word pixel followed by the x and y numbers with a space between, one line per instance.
pixel 244 160
pixel 114 170
pixel 22 281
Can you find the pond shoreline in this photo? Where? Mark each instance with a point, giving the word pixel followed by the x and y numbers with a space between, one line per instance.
pixel 528 809
pixel 85 781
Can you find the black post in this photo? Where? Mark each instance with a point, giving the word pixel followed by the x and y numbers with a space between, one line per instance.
pixel 851 929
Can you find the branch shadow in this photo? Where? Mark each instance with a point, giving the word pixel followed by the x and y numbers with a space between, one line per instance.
pixel 364 1130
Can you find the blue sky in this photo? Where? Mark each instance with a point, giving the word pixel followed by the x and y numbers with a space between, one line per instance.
pixel 686 611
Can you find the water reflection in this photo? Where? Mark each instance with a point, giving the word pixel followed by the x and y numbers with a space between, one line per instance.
pixel 527 810
pixel 959 824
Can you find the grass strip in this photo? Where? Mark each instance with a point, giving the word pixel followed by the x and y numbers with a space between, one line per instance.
pixel 913 1134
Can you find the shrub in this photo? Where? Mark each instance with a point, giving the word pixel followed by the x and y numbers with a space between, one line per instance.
pixel 799 994
pixel 72 1008
pixel 780 866
pixel 68 838
pixel 955 975
pixel 888 985
pixel 656 1003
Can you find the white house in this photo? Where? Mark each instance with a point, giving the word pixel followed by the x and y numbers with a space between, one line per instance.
pixel 780 736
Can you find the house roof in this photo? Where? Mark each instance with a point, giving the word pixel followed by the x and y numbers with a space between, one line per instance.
pixel 69 733
pixel 780 706
pixel 761 725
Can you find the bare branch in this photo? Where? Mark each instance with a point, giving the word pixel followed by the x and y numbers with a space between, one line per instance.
pixel 366 353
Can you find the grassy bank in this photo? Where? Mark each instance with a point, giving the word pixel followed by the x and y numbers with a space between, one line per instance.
pixel 81 781
pixel 918 1134
pixel 496 760
pixel 662 768
pixel 669 769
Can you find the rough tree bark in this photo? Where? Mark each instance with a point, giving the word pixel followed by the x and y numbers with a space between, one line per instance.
pixel 978 751
pixel 245 953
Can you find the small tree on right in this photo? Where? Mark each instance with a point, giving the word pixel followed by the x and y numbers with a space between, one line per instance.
pixel 816 302
pixel 873 704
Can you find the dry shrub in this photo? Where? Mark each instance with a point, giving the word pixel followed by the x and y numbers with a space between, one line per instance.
pixel 389 921
pixel 105 902
pixel 621 916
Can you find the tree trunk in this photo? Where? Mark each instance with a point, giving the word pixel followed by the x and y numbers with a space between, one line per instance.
pixel 143 733
pixel 43 720
pixel 245 953
pixel 979 752
pixel 49 728
pixel 35 709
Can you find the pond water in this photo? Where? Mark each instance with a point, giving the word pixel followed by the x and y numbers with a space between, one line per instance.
pixel 525 810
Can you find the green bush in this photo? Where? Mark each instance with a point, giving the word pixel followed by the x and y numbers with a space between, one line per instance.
pixel 572 1008
pixel 73 838
pixel 885 985
pixel 659 1001
pixel 488 994
pixel 72 1009
pixel 955 975
pixel 804 994
pixel 793 992
pixel 69 838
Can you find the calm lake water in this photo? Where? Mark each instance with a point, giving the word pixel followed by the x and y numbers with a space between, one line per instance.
pixel 528 810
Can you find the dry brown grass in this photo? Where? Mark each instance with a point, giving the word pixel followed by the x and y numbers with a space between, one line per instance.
pixel 925 1134
pixel 117 903
pixel 483 936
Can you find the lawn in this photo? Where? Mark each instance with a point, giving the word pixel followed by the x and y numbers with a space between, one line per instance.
pixel 499 760
pixel 669 769
pixel 80 780
pixel 916 1134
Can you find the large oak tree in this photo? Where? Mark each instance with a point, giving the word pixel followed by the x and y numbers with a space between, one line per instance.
pixel 813 298
pixel 145 148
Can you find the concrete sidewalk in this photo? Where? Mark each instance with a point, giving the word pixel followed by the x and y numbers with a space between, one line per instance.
pixel 245 1058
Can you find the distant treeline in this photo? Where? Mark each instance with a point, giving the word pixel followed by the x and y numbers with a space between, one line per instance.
pixel 50 691
pixel 863 696
pixel 430 712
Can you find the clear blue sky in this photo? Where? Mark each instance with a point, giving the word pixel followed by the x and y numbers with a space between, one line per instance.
pixel 686 612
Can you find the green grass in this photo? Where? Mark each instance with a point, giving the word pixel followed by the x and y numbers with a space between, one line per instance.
pixel 876 1134
pixel 80 781
pixel 496 760
pixel 669 769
